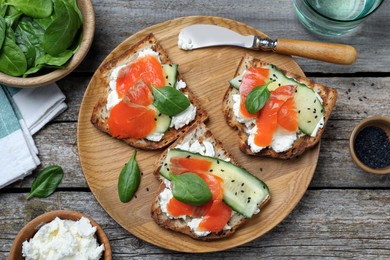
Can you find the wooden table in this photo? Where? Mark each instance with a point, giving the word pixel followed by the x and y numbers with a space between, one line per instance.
pixel 345 213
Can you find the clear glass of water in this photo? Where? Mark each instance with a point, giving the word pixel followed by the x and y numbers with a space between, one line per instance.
pixel 334 17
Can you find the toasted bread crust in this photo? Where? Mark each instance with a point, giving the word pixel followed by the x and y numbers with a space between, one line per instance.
pixel 328 95
pixel 100 113
pixel 201 133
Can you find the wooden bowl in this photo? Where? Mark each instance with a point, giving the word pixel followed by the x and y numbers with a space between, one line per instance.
pixel 34 225
pixel 378 121
pixel 86 9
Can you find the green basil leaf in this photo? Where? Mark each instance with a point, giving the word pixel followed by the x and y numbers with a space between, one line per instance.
pixel 46 182
pixel 29 37
pixel 12 60
pixel 129 179
pixel 58 10
pixel 257 98
pixel 169 100
pixel 33 8
pixel 190 188
pixel 61 33
pixel 3 28
pixel 32 70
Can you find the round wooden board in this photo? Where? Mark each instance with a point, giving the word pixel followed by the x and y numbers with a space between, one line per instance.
pixel 206 72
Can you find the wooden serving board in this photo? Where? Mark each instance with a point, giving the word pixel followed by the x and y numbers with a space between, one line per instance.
pixel 206 72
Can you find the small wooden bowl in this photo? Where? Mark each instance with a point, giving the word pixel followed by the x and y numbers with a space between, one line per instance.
pixel 34 225
pixel 88 14
pixel 378 121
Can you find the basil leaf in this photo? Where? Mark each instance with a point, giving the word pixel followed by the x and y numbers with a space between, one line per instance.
pixel 46 182
pixel 61 32
pixel 33 8
pixel 58 9
pixel 76 8
pixel 12 16
pixel 32 70
pixel 3 27
pixel 12 60
pixel 190 188
pixel 257 98
pixel 169 100
pixel 3 9
pixel 129 179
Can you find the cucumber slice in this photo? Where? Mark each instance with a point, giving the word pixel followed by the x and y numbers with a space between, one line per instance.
pixel 170 72
pixel 310 109
pixel 162 121
pixel 243 192
pixel 236 82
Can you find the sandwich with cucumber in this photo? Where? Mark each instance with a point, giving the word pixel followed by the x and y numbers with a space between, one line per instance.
pixel 146 102
pixel 204 192
pixel 277 114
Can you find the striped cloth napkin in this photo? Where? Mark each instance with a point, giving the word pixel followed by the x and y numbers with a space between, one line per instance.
pixel 23 112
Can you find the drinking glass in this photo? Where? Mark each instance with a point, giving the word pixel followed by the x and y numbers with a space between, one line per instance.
pixel 334 17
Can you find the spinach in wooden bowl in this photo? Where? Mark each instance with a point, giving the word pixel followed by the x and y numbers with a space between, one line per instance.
pixel 38 34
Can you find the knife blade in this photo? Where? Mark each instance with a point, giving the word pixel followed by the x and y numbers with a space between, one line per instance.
pixel 207 35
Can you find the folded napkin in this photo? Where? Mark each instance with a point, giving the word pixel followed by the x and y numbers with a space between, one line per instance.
pixel 23 112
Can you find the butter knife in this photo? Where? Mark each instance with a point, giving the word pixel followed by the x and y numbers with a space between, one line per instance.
pixel 207 35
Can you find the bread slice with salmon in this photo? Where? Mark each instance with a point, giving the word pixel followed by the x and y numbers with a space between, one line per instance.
pixel 128 110
pixel 237 195
pixel 292 119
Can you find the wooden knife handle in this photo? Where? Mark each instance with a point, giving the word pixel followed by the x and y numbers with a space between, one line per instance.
pixel 329 52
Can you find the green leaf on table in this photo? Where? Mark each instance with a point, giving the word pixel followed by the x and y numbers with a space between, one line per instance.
pixel 60 34
pixel 129 179
pixel 257 98
pixel 169 100
pixel 190 189
pixel 46 182
pixel 33 8
pixel 12 59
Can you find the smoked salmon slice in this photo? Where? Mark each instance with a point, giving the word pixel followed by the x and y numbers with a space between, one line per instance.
pixel 140 94
pixel 216 218
pixel 288 116
pixel 252 78
pixel 267 120
pixel 131 120
pixel 183 165
pixel 147 68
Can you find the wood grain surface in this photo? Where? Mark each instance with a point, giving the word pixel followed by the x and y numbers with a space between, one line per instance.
pixel 344 214
pixel 207 73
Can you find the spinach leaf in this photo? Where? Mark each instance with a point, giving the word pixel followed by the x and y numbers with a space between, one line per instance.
pixel 3 9
pixel 61 33
pixel 56 61
pixel 169 100
pixel 190 188
pixel 29 37
pixel 3 27
pixel 12 17
pixel 32 70
pixel 257 98
pixel 129 179
pixel 58 9
pixel 76 8
pixel 12 60
pixel 46 182
pixel 33 8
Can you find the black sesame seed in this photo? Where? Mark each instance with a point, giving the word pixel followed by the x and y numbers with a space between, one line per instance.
pixel 308 108
pixel 299 111
pixel 167 169
pixel 315 100
pixel 166 76
pixel 235 193
pixel 170 65
pixel 242 184
pixel 233 180
pixel 279 84
pixel 316 117
pixel 242 191
pixel 222 170
pixel 147 189
pixel 165 164
pixel 240 80
pixel 309 122
pixel 188 156
pixel 211 170
pixel 159 114
pixel 217 161
pixel 261 169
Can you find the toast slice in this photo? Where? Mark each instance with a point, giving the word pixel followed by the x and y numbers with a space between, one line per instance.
pixel 101 114
pixel 197 133
pixel 303 141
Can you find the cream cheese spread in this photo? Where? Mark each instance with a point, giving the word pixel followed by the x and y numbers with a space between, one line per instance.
pixel 64 239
